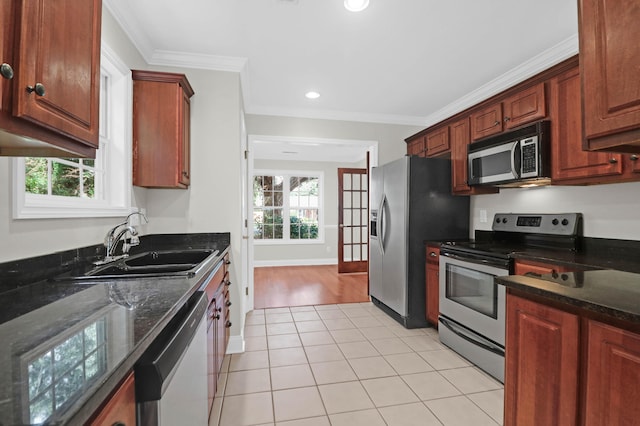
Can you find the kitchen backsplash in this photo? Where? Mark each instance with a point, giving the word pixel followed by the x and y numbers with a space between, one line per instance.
pixel 610 211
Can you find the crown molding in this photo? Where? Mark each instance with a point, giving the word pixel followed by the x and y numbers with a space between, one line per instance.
pixel 548 58
pixel 336 115
pixel 198 60
pixel 130 28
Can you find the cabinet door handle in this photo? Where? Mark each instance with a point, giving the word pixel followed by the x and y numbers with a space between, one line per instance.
pixel 6 71
pixel 228 324
pixel 507 119
pixel 613 160
pixel 634 157
pixel 38 88
pixel 227 262
pixel 497 123
pixel 432 254
pixel 228 283
pixel 228 303
pixel 216 316
pixel 118 424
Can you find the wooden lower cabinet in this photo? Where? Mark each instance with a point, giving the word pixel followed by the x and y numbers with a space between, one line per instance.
pixel 523 267
pixel 566 368
pixel 433 283
pixel 613 376
pixel 120 409
pixel 217 290
pixel 541 365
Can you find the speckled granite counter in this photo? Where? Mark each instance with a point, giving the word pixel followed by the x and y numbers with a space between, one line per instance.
pixel 66 345
pixel 604 277
pixel 612 293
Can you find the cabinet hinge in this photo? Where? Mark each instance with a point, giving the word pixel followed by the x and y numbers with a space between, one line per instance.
pixel 246 223
pixel 246 291
pixel 246 154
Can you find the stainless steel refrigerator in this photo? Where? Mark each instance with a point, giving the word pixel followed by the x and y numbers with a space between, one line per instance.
pixel 411 202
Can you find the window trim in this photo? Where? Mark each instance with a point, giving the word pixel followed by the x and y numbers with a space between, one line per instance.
pixel 287 174
pixel 117 191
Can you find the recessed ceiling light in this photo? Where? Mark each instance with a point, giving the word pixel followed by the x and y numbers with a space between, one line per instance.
pixel 312 95
pixel 356 5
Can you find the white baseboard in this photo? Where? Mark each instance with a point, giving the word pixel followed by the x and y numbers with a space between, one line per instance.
pixel 295 262
pixel 236 345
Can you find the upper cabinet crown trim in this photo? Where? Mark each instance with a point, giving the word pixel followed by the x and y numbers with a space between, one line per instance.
pixel 550 57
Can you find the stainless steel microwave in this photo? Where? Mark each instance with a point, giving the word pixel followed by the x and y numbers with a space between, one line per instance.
pixel 515 158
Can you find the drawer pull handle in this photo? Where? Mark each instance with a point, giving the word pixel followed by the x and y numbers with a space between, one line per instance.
pixel 228 324
pixel 613 160
pixel 432 254
pixel 228 283
pixel 228 303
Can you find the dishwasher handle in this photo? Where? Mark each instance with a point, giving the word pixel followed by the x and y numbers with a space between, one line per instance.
pixel 156 366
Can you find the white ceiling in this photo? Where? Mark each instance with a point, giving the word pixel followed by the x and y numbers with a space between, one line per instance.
pixel 399 61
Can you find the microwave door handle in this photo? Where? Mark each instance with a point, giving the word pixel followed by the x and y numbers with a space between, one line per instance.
pixel 516 159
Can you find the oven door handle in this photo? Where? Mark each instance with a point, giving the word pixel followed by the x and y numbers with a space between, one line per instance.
pixel 478 260
pixel 472 337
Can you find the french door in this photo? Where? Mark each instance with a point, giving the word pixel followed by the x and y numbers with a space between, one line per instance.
pixel 353 214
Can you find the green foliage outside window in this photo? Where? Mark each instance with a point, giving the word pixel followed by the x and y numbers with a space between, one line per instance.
pixel 67 177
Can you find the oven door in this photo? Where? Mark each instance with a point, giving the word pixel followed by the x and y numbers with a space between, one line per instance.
pixel 469 296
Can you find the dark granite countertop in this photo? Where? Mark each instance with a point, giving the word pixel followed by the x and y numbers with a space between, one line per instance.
pixel 605 291
pixel 67 344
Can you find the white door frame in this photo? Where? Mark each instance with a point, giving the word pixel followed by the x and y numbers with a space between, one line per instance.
pixel 247 207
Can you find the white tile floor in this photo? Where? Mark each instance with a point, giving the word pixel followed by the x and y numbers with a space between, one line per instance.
pixel 349 365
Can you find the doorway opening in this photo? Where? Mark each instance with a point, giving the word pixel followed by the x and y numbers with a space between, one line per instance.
pixel 305 271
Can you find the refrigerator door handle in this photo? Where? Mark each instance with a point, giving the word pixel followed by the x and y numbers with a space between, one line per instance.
pixel 380 224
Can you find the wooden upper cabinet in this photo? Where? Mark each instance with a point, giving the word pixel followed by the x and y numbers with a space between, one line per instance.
pixel 523 107
pixel 51 105
pixel 416 146
pixel 161 129
pixel 460 138
pixel 568 161
pixel 486 122
pixel 437 142
pixel 613 371
pixel 541 365
pixel 610 69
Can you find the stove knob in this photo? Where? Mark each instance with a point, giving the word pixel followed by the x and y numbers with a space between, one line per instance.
pixel 498 220
pixel 565 222
pixel 554 221
pixel 504 220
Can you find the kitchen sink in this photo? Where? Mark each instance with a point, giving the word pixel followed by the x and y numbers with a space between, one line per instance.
pixel 149 264
pixel 164 258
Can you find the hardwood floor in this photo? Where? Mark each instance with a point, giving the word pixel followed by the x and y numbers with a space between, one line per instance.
pixel 281 286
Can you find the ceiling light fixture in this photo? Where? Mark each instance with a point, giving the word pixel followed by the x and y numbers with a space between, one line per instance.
pixel 356 5
pixel 312 95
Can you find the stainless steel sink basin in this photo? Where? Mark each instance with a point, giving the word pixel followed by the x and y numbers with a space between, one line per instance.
pixel 164 258
pixel 149 264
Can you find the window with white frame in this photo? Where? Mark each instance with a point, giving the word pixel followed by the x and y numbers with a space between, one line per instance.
pixel 287 206
pixel 75 187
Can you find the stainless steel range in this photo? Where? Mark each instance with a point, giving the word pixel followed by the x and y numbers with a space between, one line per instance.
pixel 472 306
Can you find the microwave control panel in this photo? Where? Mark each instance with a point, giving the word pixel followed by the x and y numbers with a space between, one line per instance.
pixel 529 149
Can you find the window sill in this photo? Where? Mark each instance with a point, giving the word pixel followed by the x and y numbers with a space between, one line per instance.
pixel 287 242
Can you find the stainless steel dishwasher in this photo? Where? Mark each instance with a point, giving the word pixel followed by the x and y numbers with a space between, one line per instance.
pixel 171 376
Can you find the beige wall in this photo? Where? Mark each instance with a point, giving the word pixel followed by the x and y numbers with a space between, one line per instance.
pixel 610 211
pixel 305 254
pixel 390 137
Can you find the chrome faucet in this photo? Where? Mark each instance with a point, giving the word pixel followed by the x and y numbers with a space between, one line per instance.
pixel 115 234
